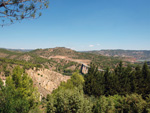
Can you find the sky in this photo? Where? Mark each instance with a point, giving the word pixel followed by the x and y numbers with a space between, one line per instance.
pixel 83 25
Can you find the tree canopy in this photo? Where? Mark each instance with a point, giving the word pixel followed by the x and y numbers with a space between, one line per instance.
pixel 19 95
pixel 17 10
pixel 122 80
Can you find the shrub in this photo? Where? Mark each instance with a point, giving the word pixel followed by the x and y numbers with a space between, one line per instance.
pixel 68 101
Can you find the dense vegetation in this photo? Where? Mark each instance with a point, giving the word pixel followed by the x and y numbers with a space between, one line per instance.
pixel 18 95
pixel 7 66
pixel 124 90
pixel 122 81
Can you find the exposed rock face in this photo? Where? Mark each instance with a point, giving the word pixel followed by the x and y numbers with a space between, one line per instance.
pixel 46 80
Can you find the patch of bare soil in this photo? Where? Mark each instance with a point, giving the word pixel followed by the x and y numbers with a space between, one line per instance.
pixel 3 55
pixel 80 61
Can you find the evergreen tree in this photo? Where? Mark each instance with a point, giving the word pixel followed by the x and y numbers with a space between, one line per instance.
pixel 139 79
pixel 127 79
pixel 146 79
pixel 19 95
pixel 133 83
pixel 119 72
pixel 107 82
pixel 94 82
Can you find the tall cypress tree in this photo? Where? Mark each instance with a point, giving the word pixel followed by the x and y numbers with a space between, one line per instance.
pixel 139 79
pixel 133 83
pixel 146 79
pixel 119 72
pixel 107 82
pixel 127 79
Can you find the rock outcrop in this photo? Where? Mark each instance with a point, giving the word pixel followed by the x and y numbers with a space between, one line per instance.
pixel 46 80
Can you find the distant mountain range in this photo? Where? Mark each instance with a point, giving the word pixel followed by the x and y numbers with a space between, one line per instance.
pixel 138 54
pixel 21 50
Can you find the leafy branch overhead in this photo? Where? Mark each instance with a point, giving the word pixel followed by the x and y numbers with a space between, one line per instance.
pixel 16 10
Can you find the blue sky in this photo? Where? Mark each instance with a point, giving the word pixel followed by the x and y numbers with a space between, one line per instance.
pixel 84 25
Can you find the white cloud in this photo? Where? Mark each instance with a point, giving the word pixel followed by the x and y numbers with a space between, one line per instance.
pixel 71 48
pixel 98 44
pixel 91 45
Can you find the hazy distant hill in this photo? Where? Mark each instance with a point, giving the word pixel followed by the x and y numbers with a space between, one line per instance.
pixel 21 50
pixel 138 54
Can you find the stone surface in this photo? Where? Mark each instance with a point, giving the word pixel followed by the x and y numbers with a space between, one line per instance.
pixel 46 80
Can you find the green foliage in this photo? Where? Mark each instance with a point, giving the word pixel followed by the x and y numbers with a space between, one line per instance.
pixel 68 101
pixel 69 97
pixel 7 73
pixel 1 84
pixel 120 104
pixel 148 103
pixel 104 105
pixel 9 52
pixel 16 10
pixel 46 66
pixel 76 82
pixel 63 66
pixel 18 95
pixel 94 82
pixel 26 65
pixel 134 103
pixel 122 81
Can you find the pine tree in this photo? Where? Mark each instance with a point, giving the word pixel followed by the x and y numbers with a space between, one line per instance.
pixel 146 79
pixel 107 82
pixel 94 84
pixel 139 79
pixel 145 71
pixel 19 95
pixel 127 79
pixel 119 72
pixel 133 83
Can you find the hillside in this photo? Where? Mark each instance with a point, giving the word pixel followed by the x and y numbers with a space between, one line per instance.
pixel 137 54
pixel 61 51
pixel 45 79
pixel 60 59
pixel 78 57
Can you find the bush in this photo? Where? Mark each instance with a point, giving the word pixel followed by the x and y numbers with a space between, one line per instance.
pixel 104 105
pixel 121 104
pixel 68 101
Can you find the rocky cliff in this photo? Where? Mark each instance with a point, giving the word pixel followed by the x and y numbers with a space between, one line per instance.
pixel 46 80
